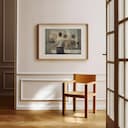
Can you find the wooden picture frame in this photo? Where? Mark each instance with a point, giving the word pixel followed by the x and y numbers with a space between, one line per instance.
pixel 62 41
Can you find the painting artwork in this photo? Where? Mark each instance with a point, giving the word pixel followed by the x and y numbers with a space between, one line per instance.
pixel 62 41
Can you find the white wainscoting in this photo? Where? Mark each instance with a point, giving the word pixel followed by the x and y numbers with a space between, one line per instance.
pixel 44 92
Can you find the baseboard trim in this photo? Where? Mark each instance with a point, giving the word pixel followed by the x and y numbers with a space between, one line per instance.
pixel 100 105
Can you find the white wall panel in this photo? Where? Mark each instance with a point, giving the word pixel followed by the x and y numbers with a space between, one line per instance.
pixel 33 12
pixel 40 91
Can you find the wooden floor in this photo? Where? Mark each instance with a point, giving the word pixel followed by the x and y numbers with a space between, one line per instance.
pixel 50 119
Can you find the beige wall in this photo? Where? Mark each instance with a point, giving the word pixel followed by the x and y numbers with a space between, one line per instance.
pixel 33 12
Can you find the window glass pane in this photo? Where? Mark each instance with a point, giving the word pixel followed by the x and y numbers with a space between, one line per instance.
pixel 121 113
pixel 111 47
pixel 126 8
pixel 111 15
pixel 121 9
pixel 126 80
pixel 108 43
pixel 108 18
pixel 108 103
pixel 121 41
pixel 111 105
pixel 121 78
pixel 126 114
pixel 126 39
pixel 108 76
pixel 110 79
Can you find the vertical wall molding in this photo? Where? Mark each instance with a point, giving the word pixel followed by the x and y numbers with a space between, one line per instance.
pixel 3 57
pixel 8 41
pixel 4 36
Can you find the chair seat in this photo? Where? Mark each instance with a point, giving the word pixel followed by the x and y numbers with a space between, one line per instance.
pixel 78 93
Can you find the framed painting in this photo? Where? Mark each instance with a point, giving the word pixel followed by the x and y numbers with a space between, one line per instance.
pixel 62 41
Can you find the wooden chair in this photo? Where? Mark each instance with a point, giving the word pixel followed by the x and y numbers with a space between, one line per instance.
pixel 86 80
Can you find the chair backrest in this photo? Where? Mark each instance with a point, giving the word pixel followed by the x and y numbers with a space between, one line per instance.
pixel 84 78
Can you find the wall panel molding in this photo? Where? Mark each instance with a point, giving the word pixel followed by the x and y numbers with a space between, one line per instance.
pixel 36 81
pixel 4 59
pixel 7 46
pixel 30 86
pixel 5 73
pixel 100 77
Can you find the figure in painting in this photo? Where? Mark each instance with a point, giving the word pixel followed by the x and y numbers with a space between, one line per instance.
pixel 63 41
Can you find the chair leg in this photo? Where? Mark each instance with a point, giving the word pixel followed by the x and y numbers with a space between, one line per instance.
pixel 63 105
pixel 86 102
pixel 74 99
pixel 94 104
pixel 74 104
pixel 86 108
pixel 94 98
pixel 63 100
